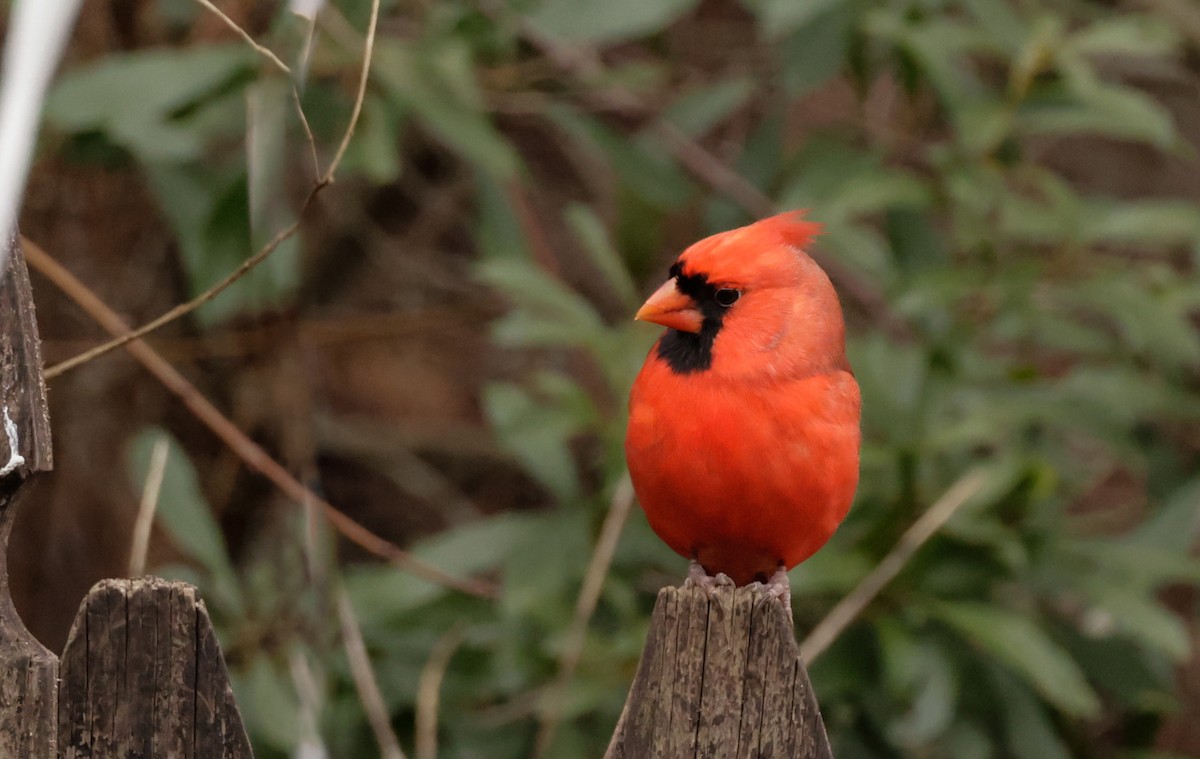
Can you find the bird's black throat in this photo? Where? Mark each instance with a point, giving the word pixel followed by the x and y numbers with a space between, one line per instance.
pixel 692 352
pixel 687 352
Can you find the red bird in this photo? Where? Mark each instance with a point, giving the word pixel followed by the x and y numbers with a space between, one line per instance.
pixel 743 432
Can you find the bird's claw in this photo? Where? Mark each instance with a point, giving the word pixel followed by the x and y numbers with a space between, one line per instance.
pixel 779 588
pixel 698 578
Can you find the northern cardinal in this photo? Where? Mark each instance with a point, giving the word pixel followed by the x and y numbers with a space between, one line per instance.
pixel 743 436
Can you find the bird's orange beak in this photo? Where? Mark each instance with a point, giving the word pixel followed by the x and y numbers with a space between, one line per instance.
pixel 671 308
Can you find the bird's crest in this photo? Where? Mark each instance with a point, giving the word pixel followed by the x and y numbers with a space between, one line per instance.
pixel 791 227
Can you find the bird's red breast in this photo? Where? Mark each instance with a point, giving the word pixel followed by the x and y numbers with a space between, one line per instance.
pixel 743 434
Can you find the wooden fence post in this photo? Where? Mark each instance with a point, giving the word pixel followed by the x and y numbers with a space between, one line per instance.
pixel 720 677
pixel 143 676
pixel 27 670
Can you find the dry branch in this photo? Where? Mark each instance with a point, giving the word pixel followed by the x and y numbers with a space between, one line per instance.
pixel 926 526
pixel 129 335
pixel 549 712
pixel 246 449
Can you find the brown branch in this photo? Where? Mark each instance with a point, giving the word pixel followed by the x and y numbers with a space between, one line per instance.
pixel 128 336
pixel 283 235
pixel 145 516
pixel 368 49
pixel 264 52
pixel 246 449
pixel 550 706
pixel 429 688
pixel 365 681
pixel 308 134
pixel 926 526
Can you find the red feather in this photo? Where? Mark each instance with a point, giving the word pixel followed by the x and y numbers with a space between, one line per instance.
pixel 750 461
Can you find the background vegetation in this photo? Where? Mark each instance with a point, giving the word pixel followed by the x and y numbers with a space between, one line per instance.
pixel 1009 192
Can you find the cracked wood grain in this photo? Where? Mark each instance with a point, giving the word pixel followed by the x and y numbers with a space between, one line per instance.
pixel 720 676
pixel 28 672
pixel 143 677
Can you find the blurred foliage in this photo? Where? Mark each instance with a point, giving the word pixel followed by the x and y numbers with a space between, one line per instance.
pixel 1051 340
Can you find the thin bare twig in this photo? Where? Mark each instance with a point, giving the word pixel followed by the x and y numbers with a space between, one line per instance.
pixel 183 308
pixel 264 52
pixel 309 742
pixel 308 134
pixel 246 449
pixel 550 707
pixel 145 516
pixel 365 681
pixel 283 235
pixel 368 51
pixel 429 688
pixel 926 526
pixel 298 81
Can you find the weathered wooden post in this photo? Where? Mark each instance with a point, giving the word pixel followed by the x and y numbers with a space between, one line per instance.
pixel 720 676
pixel 27 670
pixel 142 675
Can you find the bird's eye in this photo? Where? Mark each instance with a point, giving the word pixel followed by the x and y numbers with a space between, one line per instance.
pixel 727 296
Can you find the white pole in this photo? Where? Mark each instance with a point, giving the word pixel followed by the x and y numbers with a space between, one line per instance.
pixel 37 32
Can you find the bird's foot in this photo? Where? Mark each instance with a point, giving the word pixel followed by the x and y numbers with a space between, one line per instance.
pixel 698 578
pixel 778 587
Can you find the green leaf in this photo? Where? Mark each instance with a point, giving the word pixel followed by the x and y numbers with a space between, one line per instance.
pixel 436 81
pixel 1109 110
pixel 268 701
pixel 1150 323
pixel 186 515
pixel 705 107
pixel 1002 20
pixel 915 242
pixel 921 673
pixel 382 595
pixel 645 168
pixel 939 47
pixel 134 97
pixel 968 741
pixel 777 18
pixel 981 125
pixel 375 150
pixel 546 311
pixel 209 209
pixel 1037 52
pixel 1017 640
pixel 1045 209
pixel 1137 564
pixel 1125 672
pixel 833 572
pixel 1125 34
pixel 607 22
pixel 499 234
pixel 601 252
pixel 1141 222
pixel 1142 618
pixel 893 379
pixel 538 430
pixel 817 50
pixel 1029 732
pixel 268 106
pixel 1175 525
pixel 181 508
